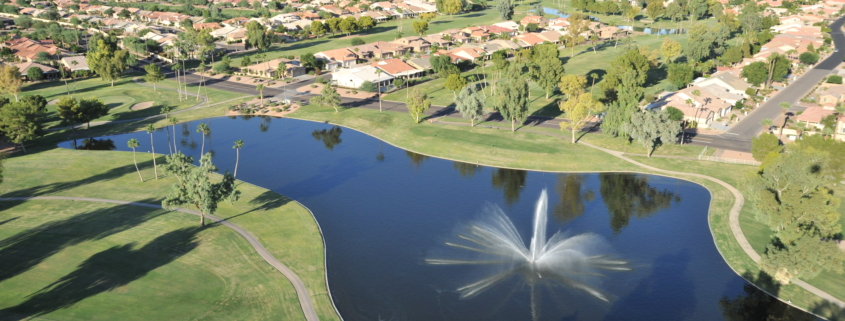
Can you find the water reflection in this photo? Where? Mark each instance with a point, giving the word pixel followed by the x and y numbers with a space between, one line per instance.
pixel 466 170
pixel 264 126
pixel 572 200
pixel 755 304
pixel 416 159
pixel 95 144
pixel 630 195
pixel 329 137
pixel 511 182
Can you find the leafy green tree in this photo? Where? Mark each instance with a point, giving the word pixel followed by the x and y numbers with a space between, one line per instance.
pixel 420 27
pixel 649 127
pixel 194 187
pixel 34 74
pixel 454 83
pixel 549 67
pixel 756 73
pixel 417 103
pixel 732 56
pixel 107 61
pixel 21 122
pixel 669 49
pixel 655 10
pixel 154 74
pixel 452 7
pixel 674 113
pixel 368 86
pixel 348 25
pixel 804 258
pixel 11 80
pixel 765 144
pixel 257 36
pixel 834 148
pixel 132 143
pixel 505 9
pixel 366 22
pixel 579 110
pixel 680 74
pixel 328 97
pixel 317 28
pixel 245 62
pixel 470 104
pixel 238 145
pixel 834 79
pixel 572 85
pixel 511 100
pixel 808 58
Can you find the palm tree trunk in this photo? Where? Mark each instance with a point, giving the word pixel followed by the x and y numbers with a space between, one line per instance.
pixel 202 219
pixel 202 148
pixel 136 165
pixel 237 159
pixel 155 166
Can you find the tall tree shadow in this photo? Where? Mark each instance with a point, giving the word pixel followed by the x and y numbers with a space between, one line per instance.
pixel 105 271
pixel 22 251
pixel 264 202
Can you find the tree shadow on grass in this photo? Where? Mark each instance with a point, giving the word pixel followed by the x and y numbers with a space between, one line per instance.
pixel 268 200
pixel 9 220
pixel 106 271
pixel 22 251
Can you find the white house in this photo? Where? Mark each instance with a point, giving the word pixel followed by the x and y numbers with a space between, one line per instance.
pixel 354 77
pixel 726 80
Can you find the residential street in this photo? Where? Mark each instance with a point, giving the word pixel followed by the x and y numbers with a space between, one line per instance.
pixel 750 125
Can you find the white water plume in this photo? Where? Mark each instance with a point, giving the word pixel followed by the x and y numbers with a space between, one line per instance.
pixel 575 261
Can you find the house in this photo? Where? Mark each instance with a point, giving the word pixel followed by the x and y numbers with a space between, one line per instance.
pixel 541 21
pixel 414 44
pixel 50 73
pixel 468 53
pixel 437 40
pixel 209 25
pixel 551 36
pixel 268 68
pixel 726 80
pixel 830 96
pixel 704 107
pixel 27 49
pixel 222 32
pixel 397 68
pixel 75 63
pixel 337 58
pixel 423 63
pixel 530 39
pixel 237 35
pixel 379 50
pixel 354 77
pixel 236 22
pixel 812 116
pixel 497 30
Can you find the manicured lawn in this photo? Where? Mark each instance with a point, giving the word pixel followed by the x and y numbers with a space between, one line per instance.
pixel 119 98
pixel 284 227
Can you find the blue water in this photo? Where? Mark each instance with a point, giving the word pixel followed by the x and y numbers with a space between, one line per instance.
pixel 384 210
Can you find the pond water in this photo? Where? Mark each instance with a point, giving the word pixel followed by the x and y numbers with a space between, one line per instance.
pixel 386 213
pixel 655 31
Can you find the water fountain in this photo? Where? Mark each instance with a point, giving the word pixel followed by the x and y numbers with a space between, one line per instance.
pixel 576 261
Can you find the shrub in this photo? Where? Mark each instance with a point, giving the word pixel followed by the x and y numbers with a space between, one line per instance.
pixel 751 92
pixel 238 78
pixel 357 41
pixel 835 79
pixel 368 86
pixel 670 87
pixel 808 58
pixel 320 80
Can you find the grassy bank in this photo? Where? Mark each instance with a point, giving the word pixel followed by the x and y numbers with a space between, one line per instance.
pixel 239 283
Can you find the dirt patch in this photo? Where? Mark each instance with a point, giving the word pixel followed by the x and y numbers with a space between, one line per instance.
pixel 311 89
pixel 270 112
pixel 344 92
pixel 53 102
pixel 143 105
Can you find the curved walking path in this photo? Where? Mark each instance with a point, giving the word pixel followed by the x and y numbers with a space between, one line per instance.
pixel 733 215
pixel 298 285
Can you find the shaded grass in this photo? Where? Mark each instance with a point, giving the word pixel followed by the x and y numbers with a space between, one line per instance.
pixel 285 228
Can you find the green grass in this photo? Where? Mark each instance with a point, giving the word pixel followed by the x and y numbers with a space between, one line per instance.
pixel 119 98
pixel 285 228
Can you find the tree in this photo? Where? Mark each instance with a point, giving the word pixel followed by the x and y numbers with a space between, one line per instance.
pixel 204 131
pixel 649 127
pixel 454 83
pixel 420 27
pixel 669 49
pixel 511 100
pixel 348 25
pixel 417 103
pixel 732 56
pixel 21 121
pixel 654 10
pixel 246 61
pixel 260 89
pixel 107 61
pixel 572 85
pixel 765 144
pixel 34 73
pixel 132 143
pixel 808 58
pixel 193 185
pixel 368 86
pixel 579 110
pixel 150 130
pixel 470 104
pixel 834 79
pixel 756 73
pixel 680 74
pixel 328 97
pixel 317 28
pixel 549 67
pixel 257 36
pixel 67 107
pixel 366 22
pixel 452 7
pixel 505 9
pixel 577 25
pixel 11 80
pixel 238 145
pixel 153 75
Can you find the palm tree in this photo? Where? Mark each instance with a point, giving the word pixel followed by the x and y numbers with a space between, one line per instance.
pixel 260 89
pixel 238 145
pixel 175 68
pixel 201 70
pixel 281 70
pixel 768 123
pixel 151 129
pixel 800 128
pixel 378 86
pixel 132 143
pixel 593 76
pixel 784 107
pixel 172 122
pixel 203 129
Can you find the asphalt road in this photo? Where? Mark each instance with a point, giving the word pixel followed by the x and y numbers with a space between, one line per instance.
pixel 750 126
